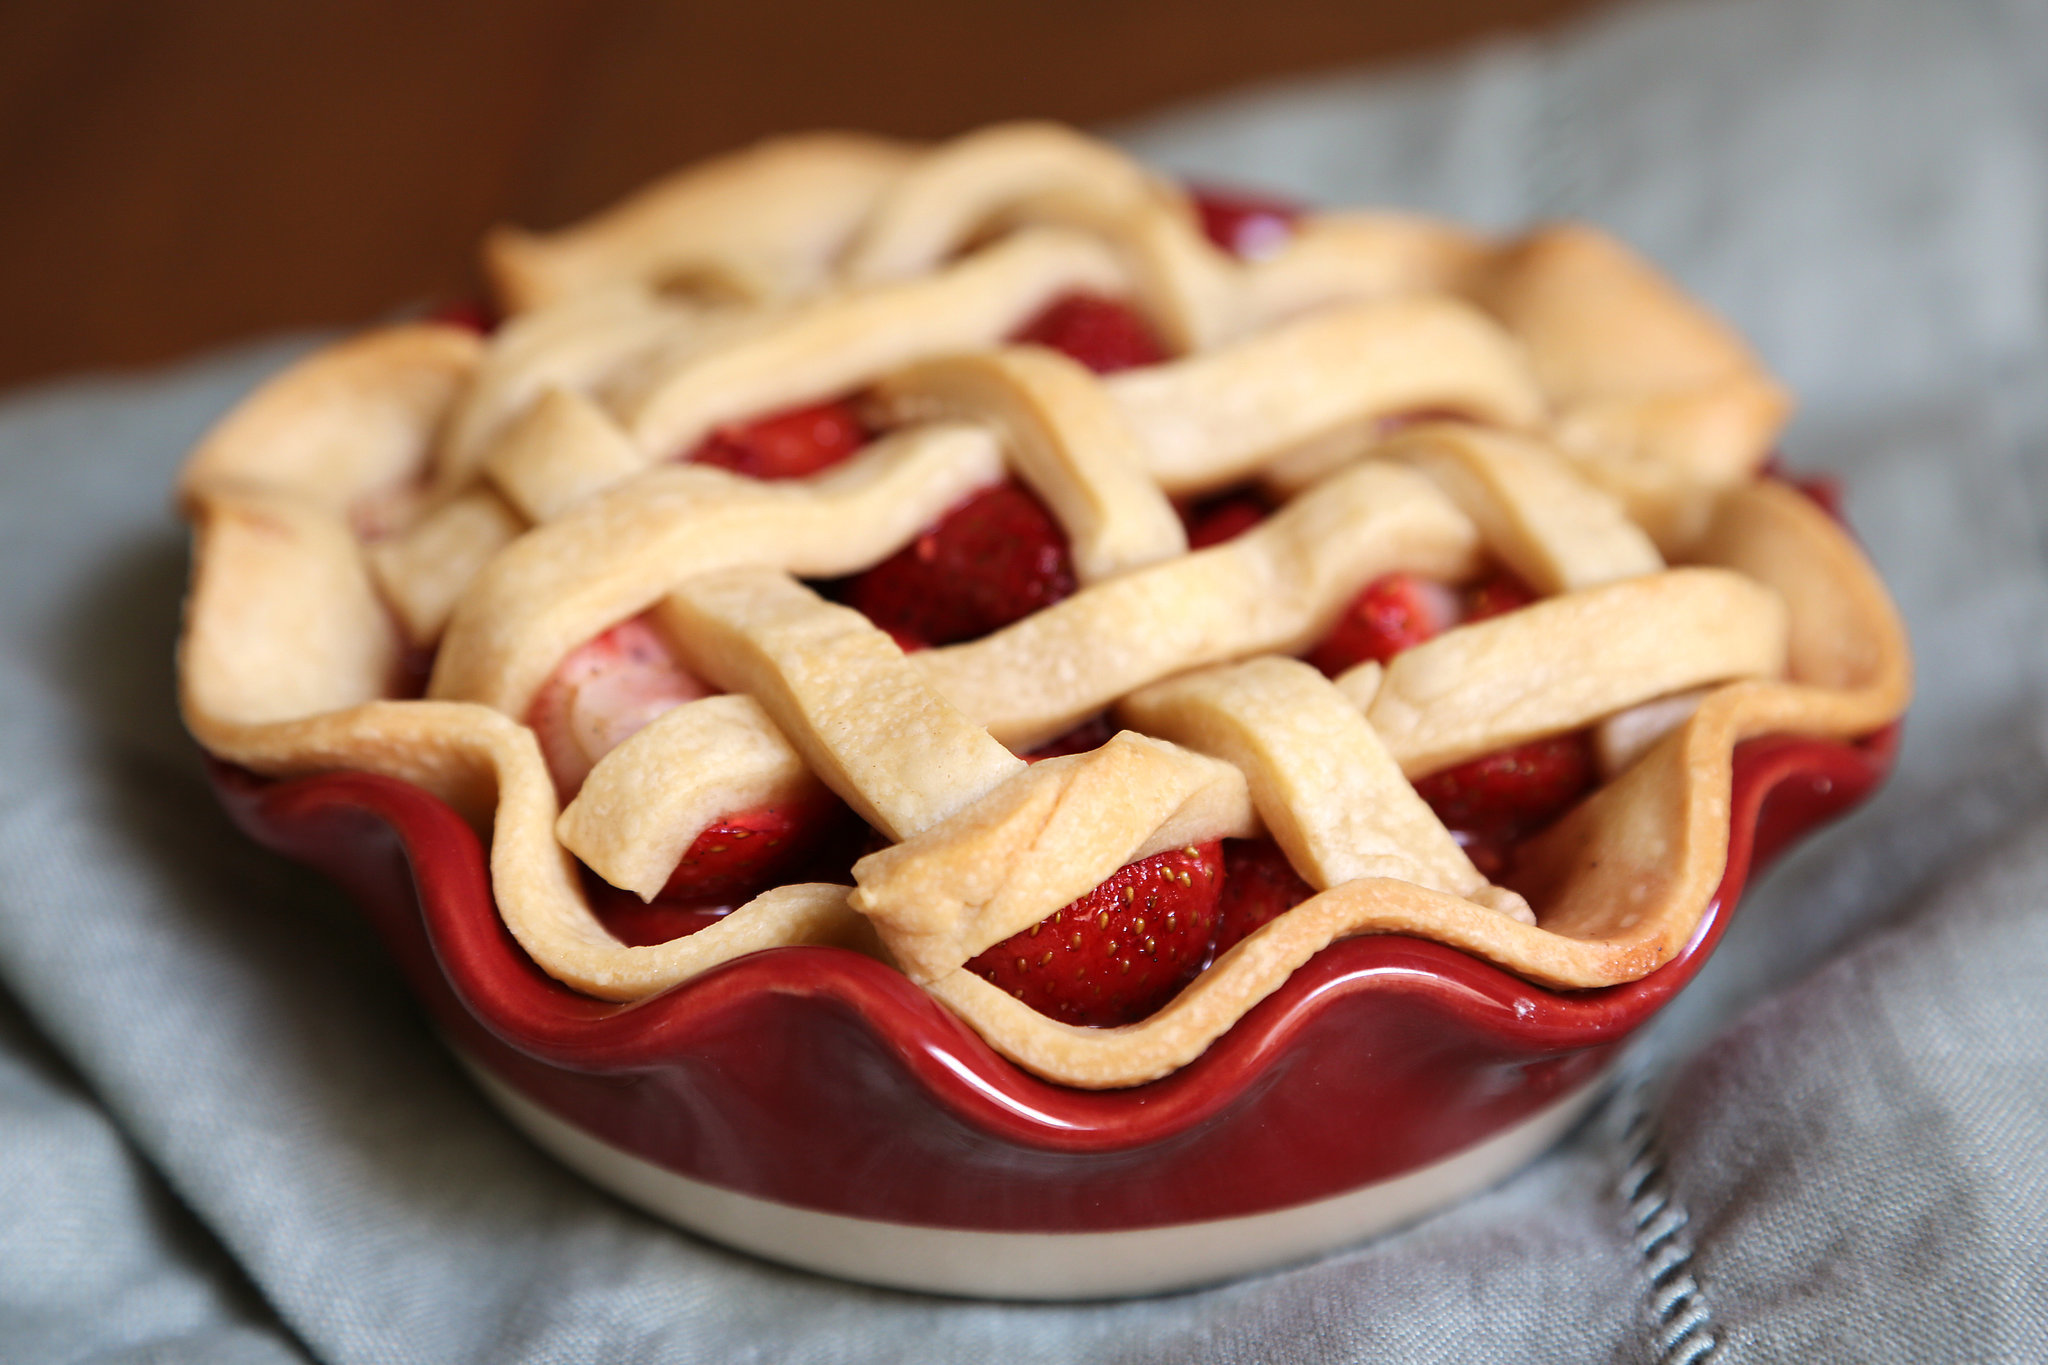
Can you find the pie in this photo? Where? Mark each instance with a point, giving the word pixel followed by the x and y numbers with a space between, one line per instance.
pixel 1089 599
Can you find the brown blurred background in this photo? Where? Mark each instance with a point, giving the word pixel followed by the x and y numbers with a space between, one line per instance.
pixel 176 173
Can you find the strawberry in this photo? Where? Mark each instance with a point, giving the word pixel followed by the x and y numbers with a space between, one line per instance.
pixel 746 852
pixel 997 557
pixel 1394 612
pixel 1259 885
pixel 1121 951
pixel 470 314
pixel 604 692
pixel 786 445
pixel 1245 225
pixel 1215 520
pixel 1492 801
pixel 1495 595
pixel 637 924
pixel 1101 333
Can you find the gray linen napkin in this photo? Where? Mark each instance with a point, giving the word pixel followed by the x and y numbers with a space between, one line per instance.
pixel 225 1135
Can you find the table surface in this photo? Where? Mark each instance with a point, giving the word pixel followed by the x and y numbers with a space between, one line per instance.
pixel 185 173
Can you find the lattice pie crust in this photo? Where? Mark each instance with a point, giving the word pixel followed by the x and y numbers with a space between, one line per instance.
pixel 503 500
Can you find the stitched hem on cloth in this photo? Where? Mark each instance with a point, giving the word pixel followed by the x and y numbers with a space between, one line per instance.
pixel 1684 1328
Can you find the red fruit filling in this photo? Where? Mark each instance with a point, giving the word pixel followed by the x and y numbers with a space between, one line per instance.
pixel 749 851
pixel 1399 611
pixel 1494 801
pixel 1394 612
pixel 730 863
pixel 994 559
pixel 471 314
pixel 1121 951
pixel 1497 595
pixel 786 445
pixel 638 924
pixel 1259 885
pixel 607 690
pixel 1215 520
pixel 1101 333
pixel 1245 225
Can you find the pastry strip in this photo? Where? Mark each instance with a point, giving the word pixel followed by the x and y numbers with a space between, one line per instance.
pixel 845 341
pixel 647 800
pixel 616 554
pixel 1276 588
pixel 1064 438
pixel 1566 661
pixel 573 345
pixel 1042 839
pixel 559 452
pixel 1338 258
pixel 425 569
pixel 1215 418
pixel 1557 533
pixel 862 716
pixel 1326 788
pixel 763 223
pixel 1009 174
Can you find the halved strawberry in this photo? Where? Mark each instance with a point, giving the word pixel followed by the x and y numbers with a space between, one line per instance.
pixel 786 445
pixel 638 924
pixel 1493 801
pixel 1245 225
pixel 1121 951
pixel 1496 594
pixel 748 851
pixel 1393 613
pixel 473 315
pixel 997 557
pixel 1259 885
pixel 1101 333
pixel 1215 520
pixel 604 692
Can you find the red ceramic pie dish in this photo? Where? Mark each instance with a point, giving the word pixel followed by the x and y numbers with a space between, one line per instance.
pixel 820 1079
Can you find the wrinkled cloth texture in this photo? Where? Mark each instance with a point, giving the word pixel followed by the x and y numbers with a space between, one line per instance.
pixel 226 1136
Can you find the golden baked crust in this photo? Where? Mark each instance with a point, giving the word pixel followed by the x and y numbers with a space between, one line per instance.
pixel 504 501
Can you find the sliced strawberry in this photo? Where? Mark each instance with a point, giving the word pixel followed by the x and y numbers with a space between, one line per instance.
pixel 1215 520
pixel 994 559
pixel 1101 333
pixel 1259 885
pixel 1245 225
pixel 1493 801
pixel 748 851
pixel 1496 594
pixel 1393 613
pixel 638 923
pixel 603 693
pixel 786 445
pixel 470 314
pixel 1121 951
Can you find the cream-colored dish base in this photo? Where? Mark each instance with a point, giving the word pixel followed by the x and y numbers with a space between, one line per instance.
pixel 1037 1265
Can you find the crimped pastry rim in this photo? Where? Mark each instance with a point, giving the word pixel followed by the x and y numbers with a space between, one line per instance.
pixel 949 1063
